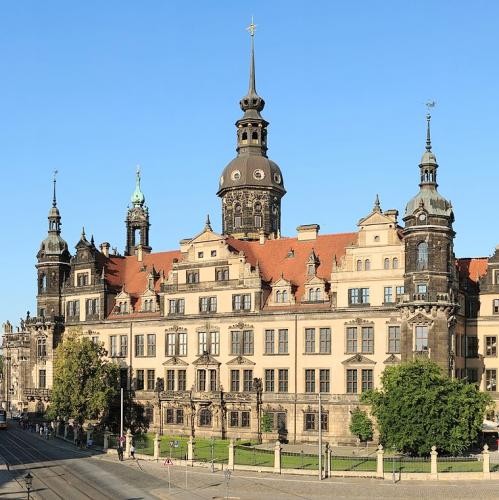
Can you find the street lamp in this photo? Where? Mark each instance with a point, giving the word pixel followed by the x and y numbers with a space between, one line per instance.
pixel 29 481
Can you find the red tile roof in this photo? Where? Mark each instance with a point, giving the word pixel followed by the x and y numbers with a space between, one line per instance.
pixel 472 269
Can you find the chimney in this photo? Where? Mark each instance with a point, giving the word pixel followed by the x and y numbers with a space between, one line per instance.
pixel 104 248
pixel 308 232
pixel 140 252
pixel 392 214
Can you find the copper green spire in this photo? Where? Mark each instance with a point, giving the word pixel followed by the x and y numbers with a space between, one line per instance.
pixel 138 198
pixel 54 199
pixel 252 85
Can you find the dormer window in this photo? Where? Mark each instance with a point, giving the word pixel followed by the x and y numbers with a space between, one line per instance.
pixel 281 296
pixel 192 277
pixel 359 265
pixel 82 279
pixel 314 295
pixel 367 265
pixel 221 274
pixel 395 263
pixel 200 255
pixel 386 263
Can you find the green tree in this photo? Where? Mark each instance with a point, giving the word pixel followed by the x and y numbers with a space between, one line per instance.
pixel 267 422
pixel 361 425
pixel 418 407
pixel 84 382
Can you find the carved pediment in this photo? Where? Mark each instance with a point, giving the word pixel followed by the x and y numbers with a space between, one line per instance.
pixel 315 280
pixel 240 360
pixel 148 293
pixel 123 295
pixel 206 360
pixel 241 326
pixel 420 319
pixel 392 360
pixel 358 321
pixel 358 359
pixel 375 218
pixel 175 361
pixel 175 329
pixel 281 282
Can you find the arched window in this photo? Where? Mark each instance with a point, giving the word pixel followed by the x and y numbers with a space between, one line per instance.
pixel 278 296
pixel 395 263
pixel 386 264
pixel 41 347
pixel 422 260
pixel 258 214
pixel 367 265
pixel 311 295
pixel 204 417
pixel 43 283
pixel 318 294
pixel 359 265
pixel 254 137
pixel 284 295
pixel 244 137
pixel 238 216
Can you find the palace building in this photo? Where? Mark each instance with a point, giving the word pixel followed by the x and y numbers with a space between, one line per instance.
pixel 227 327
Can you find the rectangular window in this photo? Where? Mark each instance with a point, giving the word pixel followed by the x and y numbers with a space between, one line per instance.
pixel 192 277
pixel 283 380
pixel 171 344
pixel 123 345
pixel 241 302
pixel 310 421
pixel 353 296
pixel 309 380
pixel 491 380
pixel 325 341
pixel 269 381
pixel 221 273
pixel 113 348
pixel 176 306
pixel 351 339
pixel 92 307
pixel 324 421
pixel 245 419
pixel 42 379
pixel 169 416
pixel 471 347
pixel 234 419
pixel 269 341
pixel 139 345
pixel 151 380
pixel 351 381
pixel 215 343
pixel 207 304
pixel 399 291
pixel 421 288
pixel 472 375
pixel 394 339
pixel 495 306
pixel 367 380
pixel 309 340
pixel 213 380
pixel 139 382
pixel 324 380
pixel 182 380
pixel 388 295
pixel 235 342
pixel 170 380
pixel 234 380
pixel 367 339
pixel 95 339
pixel 247 380
pixel 180 416
pixel 491 346
pixel 283 341
pixel 248 342
pixel 151 344
pixel 421 338
pixel 202 343
pixel 201 380
pixel 364 295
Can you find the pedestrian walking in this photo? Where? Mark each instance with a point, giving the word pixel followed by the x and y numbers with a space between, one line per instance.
pixel 132 451
pixel 120 452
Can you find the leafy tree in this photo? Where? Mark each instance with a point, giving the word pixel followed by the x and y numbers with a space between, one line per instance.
pixel 84 382
pixel 418 407
pixel 361 425
pixel 267 422
pixel 134 414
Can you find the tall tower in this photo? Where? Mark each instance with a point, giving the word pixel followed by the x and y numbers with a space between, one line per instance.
pixel 137 221
pixel 430 304
pixel 53 265
pixel 251 185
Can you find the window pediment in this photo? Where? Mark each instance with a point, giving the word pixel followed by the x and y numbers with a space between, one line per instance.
pixel 391 360
pixel 358 359
pixel 241 326
pixel 420 319
pixel 240 360
pixel 358 321
pixel 206 360
pixel 175 361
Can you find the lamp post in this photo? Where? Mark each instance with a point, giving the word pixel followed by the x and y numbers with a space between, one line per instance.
pixel 29 481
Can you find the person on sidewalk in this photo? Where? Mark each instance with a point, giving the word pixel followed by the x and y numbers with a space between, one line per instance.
pixel 132 451
pixel 120 452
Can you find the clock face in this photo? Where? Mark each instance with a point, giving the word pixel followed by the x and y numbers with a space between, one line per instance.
pixel 422 217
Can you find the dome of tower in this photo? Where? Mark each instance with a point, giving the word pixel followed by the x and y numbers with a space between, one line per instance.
pixel 248 170
pixel 53 244
pixel 432 201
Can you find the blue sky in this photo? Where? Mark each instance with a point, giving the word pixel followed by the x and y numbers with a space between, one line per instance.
pixel 93 88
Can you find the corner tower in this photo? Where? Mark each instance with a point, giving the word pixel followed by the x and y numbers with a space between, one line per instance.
pixel 430 301
pixel 251 185
pixel 137 221
pixel 53 265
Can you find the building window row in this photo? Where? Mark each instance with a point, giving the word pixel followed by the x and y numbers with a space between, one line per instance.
pixel 92 307
pixel 311 421
pixel 145 380
pixel 276 341
pixel 239 419
pixel 358 296
pixel 174 416
pixel 235 380
pixel 282 380
pixel 118 346
pixel 323 342
pixel 360 339
pixel 142 349
pixel 366 380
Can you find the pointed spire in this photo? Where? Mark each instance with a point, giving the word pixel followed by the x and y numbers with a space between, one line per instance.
pixel 207 225
pixel 92 242
pixel 428 135
pixel 138 198
pixel 83 236
pixel 377 205
pixel 252 85
pixel 54 199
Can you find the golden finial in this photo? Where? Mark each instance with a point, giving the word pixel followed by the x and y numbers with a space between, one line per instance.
pixel 251 28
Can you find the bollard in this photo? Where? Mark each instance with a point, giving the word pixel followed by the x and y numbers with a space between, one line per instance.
pixel 277 457
pixel 106 440
pixel 434 469
pixel 486 461
pixel 327 465
pixel 230 465
pixel 190 450
pixel 66 430
pixel 128 443
pixel 380 471
pixel 157 444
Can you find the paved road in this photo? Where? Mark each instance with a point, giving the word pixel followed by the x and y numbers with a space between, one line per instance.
pixel 62 472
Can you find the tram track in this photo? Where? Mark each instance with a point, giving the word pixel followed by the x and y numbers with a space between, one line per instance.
pixel 19 452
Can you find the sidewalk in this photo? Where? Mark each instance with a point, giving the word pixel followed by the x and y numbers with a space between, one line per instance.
pixel 9 487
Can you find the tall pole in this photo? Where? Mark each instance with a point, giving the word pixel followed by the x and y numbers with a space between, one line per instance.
pixel 320 437
pixel 121 413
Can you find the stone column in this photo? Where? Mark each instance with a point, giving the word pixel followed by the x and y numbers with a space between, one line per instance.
pixel 277 457
pixel 327 465
pixel 157 444
pixel 434 469
pixel 190 450
pixel 128 443
pixel 380 471
pixel 231 455
pixel 106 440
pixel 66 430
pixel 486 461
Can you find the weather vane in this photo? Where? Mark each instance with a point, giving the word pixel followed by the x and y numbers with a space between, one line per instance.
pixel 430 104
pixel 55 174
pixel 251 28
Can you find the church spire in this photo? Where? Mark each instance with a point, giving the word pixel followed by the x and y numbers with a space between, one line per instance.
pixel 428 166
pixel 252 84
pixel 138 198
pixel 54 216
pixel 54 199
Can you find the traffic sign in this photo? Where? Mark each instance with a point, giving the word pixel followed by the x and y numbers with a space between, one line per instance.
pixel 122 439
pixel 175 444
pixel 171 444
pixel 168 462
